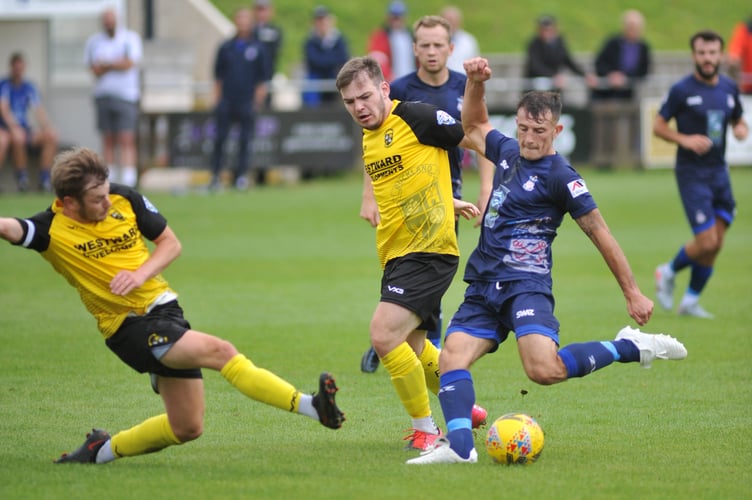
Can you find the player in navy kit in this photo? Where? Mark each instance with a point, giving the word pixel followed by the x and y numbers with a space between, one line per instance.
pixel 509 273
pixel 436 84
pixel 703 104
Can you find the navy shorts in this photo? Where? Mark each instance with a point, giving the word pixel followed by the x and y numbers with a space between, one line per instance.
pixel 492 310
pixel 417 282
pixel 141 341
pixel 706 197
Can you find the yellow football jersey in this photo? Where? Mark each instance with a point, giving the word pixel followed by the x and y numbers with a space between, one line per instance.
pixel 408 163
pixel 90 255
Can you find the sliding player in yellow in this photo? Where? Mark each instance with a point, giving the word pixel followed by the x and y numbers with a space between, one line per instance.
pixel 93 235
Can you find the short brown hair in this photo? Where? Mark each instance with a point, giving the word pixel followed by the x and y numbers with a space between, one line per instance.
pixel 431 22
pixel 707 36
pixel 357 65
pixel 74 169
pixel 537 103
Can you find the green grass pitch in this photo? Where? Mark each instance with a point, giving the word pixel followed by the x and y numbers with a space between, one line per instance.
pixel 290 276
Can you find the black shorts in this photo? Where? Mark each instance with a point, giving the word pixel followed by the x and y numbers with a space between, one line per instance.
pixel 417 282
pixel 142 340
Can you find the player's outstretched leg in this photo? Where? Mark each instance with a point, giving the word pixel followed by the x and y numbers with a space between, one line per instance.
pixel 329 415
pixel 653 346
pixel 87 452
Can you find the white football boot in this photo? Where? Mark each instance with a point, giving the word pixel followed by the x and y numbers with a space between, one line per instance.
pixel 653 345
pixel 442 453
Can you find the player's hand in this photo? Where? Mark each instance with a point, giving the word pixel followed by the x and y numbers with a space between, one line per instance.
pixel 465 209
pixel 640 308
pixel 124 282
pixel 477 69
pixel 369 211
pixel 697 143
pixel 740 130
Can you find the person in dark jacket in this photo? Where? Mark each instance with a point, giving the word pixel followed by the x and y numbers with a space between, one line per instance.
pixel 325 52
pixel 548 57
pixel 623 60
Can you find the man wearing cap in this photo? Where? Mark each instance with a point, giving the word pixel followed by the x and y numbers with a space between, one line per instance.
pixel 392 43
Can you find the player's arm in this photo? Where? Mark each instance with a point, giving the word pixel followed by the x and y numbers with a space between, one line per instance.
pixel 698 143
pixel 740 129
pixel 369 209
pixel 11 230
pixel 475 120
pixel 167 248
pixel 639 307
pixel 486 174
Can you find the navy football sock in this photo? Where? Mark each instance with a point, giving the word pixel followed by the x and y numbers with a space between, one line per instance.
pixel 587 357
pixel 457 396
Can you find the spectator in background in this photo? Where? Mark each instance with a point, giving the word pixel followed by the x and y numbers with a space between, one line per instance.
pixel 240 85
pixel 269 34
pixel 740 55
pixel 19 98
pixel 465 44
pixel 392 43
pixel 325 52
pixel 113 56
pixel 548 57
pixel 623 60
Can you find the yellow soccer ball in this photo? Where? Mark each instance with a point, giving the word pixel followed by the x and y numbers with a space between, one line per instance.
pixel 514 438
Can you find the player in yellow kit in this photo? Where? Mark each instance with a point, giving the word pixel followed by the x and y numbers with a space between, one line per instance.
pixel 405 156
pixel 93 235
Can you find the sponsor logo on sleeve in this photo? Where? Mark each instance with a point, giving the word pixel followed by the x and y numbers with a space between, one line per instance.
pixel 444 118
pixel 576 188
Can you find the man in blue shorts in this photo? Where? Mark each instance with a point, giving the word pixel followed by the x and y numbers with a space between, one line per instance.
pixel 19 99
pixel 94 235
pixel 703 104
pixel 436 84
pixel 509 273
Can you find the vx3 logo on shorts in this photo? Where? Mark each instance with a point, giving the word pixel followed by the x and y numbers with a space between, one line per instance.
pixel 395 289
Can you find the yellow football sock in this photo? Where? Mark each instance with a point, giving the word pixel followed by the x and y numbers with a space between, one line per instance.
pixel 408 379
pixel 429 358
pixel 261 385
pixel 151 435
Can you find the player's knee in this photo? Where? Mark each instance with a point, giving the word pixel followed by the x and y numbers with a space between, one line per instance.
pixel 545 374
pixel 188 431
pixel 224 349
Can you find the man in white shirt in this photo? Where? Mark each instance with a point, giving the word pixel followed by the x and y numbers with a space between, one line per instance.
pixel 113 56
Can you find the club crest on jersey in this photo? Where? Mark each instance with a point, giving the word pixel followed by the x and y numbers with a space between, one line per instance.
pixel 444 118
pixel 117 215
pixel 504 165
pixel 576 188
pixel 149 206
pixel 388 138
pixel 529 185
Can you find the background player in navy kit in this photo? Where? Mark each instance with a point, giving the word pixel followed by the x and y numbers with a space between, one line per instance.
pixel 241 74
pixel 405 157
pixel 703 104
pixel 509 273
pixel 94 235
pixel 436 84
